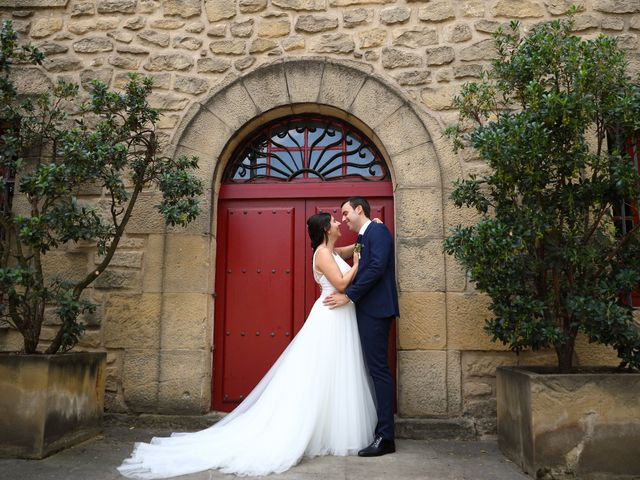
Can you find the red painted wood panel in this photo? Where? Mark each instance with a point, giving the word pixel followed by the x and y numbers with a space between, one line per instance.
pixel 251 236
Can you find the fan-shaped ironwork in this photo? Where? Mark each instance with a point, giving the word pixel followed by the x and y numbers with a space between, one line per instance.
pixel 306 149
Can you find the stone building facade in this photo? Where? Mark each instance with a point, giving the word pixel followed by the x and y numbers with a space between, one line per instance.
pixel 223 67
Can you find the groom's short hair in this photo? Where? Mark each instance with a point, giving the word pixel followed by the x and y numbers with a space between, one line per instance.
pixel 359 201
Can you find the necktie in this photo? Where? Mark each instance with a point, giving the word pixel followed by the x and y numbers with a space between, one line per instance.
pixel 359 240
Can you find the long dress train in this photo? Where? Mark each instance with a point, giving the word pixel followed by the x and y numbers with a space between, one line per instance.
pixel 315 400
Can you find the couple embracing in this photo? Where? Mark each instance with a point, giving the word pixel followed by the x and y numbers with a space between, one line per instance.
pixel 330 392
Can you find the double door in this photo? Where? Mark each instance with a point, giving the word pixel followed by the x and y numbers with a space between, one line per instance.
pixel 264 284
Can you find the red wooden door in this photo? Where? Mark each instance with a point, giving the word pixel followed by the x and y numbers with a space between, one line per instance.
pixel 264 280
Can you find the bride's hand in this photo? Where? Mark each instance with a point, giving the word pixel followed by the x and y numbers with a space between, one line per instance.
pixel 376 220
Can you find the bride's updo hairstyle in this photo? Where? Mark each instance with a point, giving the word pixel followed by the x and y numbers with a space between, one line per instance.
pixel 318 225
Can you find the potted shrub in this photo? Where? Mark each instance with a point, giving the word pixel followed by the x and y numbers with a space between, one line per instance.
pixel 53 147
pixel 553 119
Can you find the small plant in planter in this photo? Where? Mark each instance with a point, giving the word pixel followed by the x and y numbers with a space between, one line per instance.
pixel 108 142
pixel 550 121
pixel 54 147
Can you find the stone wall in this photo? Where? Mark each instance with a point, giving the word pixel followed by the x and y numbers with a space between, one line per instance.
pixel 155 302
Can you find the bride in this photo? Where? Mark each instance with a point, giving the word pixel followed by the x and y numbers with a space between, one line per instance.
pixel 315 400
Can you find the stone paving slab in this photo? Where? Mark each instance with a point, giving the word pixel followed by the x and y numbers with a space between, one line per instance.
pixel 98 458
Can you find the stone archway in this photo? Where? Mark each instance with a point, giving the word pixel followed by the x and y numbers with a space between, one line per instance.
pixel 212 128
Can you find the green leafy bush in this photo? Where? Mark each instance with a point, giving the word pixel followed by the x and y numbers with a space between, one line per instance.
pixel 550 119
pixel 108 142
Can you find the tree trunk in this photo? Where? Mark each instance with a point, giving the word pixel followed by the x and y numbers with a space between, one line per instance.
pixel 565 355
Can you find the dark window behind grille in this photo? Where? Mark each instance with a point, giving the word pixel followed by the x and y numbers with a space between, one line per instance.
pixel 306 148
pixel 626 212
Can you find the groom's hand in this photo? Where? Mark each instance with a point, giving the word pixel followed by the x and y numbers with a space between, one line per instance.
pixel 336 300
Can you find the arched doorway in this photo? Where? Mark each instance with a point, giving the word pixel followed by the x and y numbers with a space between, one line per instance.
pixel 282 172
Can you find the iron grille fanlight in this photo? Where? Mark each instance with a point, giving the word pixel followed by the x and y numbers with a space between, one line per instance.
pixel 306 149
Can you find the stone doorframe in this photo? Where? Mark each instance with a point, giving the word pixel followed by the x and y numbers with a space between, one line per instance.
pixel 429 375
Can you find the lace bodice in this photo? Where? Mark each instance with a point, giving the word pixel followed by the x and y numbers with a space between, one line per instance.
pixel 323 281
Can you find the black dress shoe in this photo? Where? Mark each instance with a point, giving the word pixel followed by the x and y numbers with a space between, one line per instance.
pixel 380 446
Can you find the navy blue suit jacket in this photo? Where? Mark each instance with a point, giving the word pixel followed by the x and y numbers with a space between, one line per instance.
pixel 374 288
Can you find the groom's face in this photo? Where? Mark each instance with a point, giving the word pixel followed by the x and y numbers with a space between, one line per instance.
pixel 351 217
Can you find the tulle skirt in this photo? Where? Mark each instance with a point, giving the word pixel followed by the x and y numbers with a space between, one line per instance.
pixel 315 400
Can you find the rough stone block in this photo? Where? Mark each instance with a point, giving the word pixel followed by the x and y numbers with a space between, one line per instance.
pixel 121 258
pixel 185 323
pixel 372 38
pixel 417 166
pixel 420 265
pixel 303 80
pixel 168 62
pixel 145 217
pixel 228 47
pixel 414 77
pixel 213 65
pixel 273 27
pixel 518 9
pixel 153 264
pixel 132 321
pixel 422 322
pixel 182 8
pixel 269 89
pixel 440 55
pixel 403 119
pixel 357 16
pixel 617 6
pixel 191 85
pixel 45 26
pixel 140 372
pixel 454 383
pixel 590 354
pixel 187 42
pixel 316 23
pixel 484 364
pixel 93 45
pixel 334 43
pixel 67 266
pixel 261 45
pixel 340 85
pixel 440 98
pixel 252 6
pixel 482 50
pixel 375 103
pixel 421 212
pixel 422 389
pixel 188 264
pixel 207 134
pixel 460 32
pixel 393 15
pixel 436 11
pixel 185 381
pixel 220 9
pixel 466 315
pixel 396 58
pixel 233 106
pixel 300 5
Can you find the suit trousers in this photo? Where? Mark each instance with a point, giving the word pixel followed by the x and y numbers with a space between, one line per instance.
pixel 374 337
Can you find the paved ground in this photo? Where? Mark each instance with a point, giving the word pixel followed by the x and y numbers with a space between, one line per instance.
pixel 98 458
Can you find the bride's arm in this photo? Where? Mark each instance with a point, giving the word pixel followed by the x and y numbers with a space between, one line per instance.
pixel 326 264
pixel 346 252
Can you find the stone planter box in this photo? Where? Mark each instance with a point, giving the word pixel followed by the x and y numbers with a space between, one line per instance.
pixel 49 402
pixel 579 425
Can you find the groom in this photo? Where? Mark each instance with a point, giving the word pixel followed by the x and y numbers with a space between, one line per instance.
pixel 374 293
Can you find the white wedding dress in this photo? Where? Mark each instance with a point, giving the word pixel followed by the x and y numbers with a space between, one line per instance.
pixel 315 400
